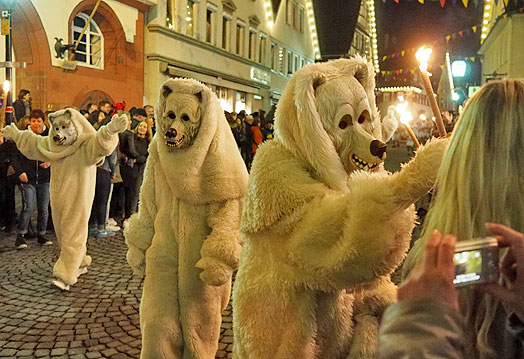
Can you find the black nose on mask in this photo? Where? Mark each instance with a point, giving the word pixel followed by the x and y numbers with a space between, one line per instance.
pixel 56 138
pixel 378 148
pixel 170 134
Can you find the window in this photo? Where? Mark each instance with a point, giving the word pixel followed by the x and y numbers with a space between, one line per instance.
pixel 240 103
pixel 295 14
pixel 252 44
pixel 90 50
pixel 301 19
pixel 262 49
pixel 210 25
pixel 290 14
pixel 281 59
pixel 296 64
pixel 273 56
pixel 171 14
pixel 302 62
pixel 226 32
pixel 190 17
pixel 289 62
pixel 240 38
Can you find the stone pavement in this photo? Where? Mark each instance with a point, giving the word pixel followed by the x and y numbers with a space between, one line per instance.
pixel 98 318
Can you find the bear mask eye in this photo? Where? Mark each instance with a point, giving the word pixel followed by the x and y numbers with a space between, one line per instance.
pixel 363 117
pixel 345 122
pixel 185 117
pixel 63 127
pixel 171 115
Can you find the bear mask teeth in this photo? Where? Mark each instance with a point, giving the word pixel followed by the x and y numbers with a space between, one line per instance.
pixel 175 143
pixel 364 165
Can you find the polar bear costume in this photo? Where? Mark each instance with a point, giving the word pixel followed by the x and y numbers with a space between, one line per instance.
pixel 185 234
pixel 73 178
pixel 319 244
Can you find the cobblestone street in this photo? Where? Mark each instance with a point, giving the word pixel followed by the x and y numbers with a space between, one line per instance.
pixel 98 318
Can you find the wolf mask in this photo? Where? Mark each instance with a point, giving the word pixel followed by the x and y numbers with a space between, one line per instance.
pixel 63 130
pixel 180 118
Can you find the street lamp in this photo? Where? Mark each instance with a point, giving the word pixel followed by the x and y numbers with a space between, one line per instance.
pixel 458 68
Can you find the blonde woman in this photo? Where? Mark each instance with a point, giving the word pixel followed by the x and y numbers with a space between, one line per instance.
pixel 481 180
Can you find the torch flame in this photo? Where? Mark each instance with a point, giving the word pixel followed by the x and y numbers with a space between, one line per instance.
pixel 405 116
pixel 7 86
pixel 423 55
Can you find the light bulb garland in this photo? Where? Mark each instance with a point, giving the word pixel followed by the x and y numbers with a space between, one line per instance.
pixel 485 20
pixel 313 29
pixel 373 25
pixel 268 8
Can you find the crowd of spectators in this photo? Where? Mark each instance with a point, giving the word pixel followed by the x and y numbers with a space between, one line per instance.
pixel 118 178
pixel 250 131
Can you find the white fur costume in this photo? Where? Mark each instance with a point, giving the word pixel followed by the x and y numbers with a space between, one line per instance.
pixel 73 178
pixel 314 275
pixel 185 234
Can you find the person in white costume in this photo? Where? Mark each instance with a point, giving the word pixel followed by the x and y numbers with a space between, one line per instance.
pixel 74 149
pixel 184 237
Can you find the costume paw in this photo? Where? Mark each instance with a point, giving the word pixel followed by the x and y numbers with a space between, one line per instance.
pixel 214 272
pixel 60 284
pixel 118 123
pixel 137 261
pixel 11 132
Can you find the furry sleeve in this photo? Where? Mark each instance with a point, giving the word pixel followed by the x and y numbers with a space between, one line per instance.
pixel 29 144
pixel 346 241
pixel 104 142
pixel 220 252
pixel 139 233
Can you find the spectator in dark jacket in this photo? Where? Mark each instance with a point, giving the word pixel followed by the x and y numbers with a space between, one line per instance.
pixel 7 186
pixel 22 105
pixel 34 179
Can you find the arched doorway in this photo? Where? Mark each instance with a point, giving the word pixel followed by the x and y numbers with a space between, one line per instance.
pixel 94 97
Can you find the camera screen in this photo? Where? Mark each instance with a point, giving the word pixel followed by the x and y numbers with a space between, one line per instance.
pixel 468 266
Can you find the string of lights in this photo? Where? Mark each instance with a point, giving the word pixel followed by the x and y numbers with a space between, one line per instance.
pixel 313 28
pixel 373 23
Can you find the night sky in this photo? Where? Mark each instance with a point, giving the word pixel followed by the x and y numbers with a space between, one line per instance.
pixel 401 26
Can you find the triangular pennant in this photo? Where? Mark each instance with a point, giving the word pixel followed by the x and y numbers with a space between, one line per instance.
pixel 402 53
pixel 473 59
pixel 421 1
pixel 465 2
pixel 448 37
pixel 384 58
pixel 454 2
pixel 461 32
pixel 383 72
pixel 496 2
pixel 505 2
pixel 476 2
pixel 396 1
pixel 442 2
pixel 400 71
pixel 393 56
pixel 442 67
pixel 413 70
pixel 474 28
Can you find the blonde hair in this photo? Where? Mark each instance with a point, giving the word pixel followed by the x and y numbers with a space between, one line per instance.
pixel 149 133
pixel 481 179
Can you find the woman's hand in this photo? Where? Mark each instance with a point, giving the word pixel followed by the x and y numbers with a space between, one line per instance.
pixel 433 278
pixel 511 266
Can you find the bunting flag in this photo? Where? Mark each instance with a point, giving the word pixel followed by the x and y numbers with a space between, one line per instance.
pixel 414 69
pixel 442 2
pixel 421 1
pixel 465 2
pixel 441 41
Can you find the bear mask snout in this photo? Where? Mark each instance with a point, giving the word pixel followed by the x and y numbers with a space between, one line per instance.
pixel 170 134
pixel 378 148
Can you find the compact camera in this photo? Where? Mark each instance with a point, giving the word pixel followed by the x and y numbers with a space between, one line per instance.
pixel 476 262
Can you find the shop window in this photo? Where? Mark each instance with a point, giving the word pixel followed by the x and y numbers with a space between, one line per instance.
pixel 90 50
pixel 240 103
pixel 281 59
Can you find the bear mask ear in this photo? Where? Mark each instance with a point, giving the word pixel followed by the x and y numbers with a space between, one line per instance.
pixel 362 75
pixel 166 91
pixel 320 80
pixel 199 96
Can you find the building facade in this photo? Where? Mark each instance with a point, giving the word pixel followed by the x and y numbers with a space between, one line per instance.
pixel 362 41
pixel 245 50
pixel 501 50
pixel 109 60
